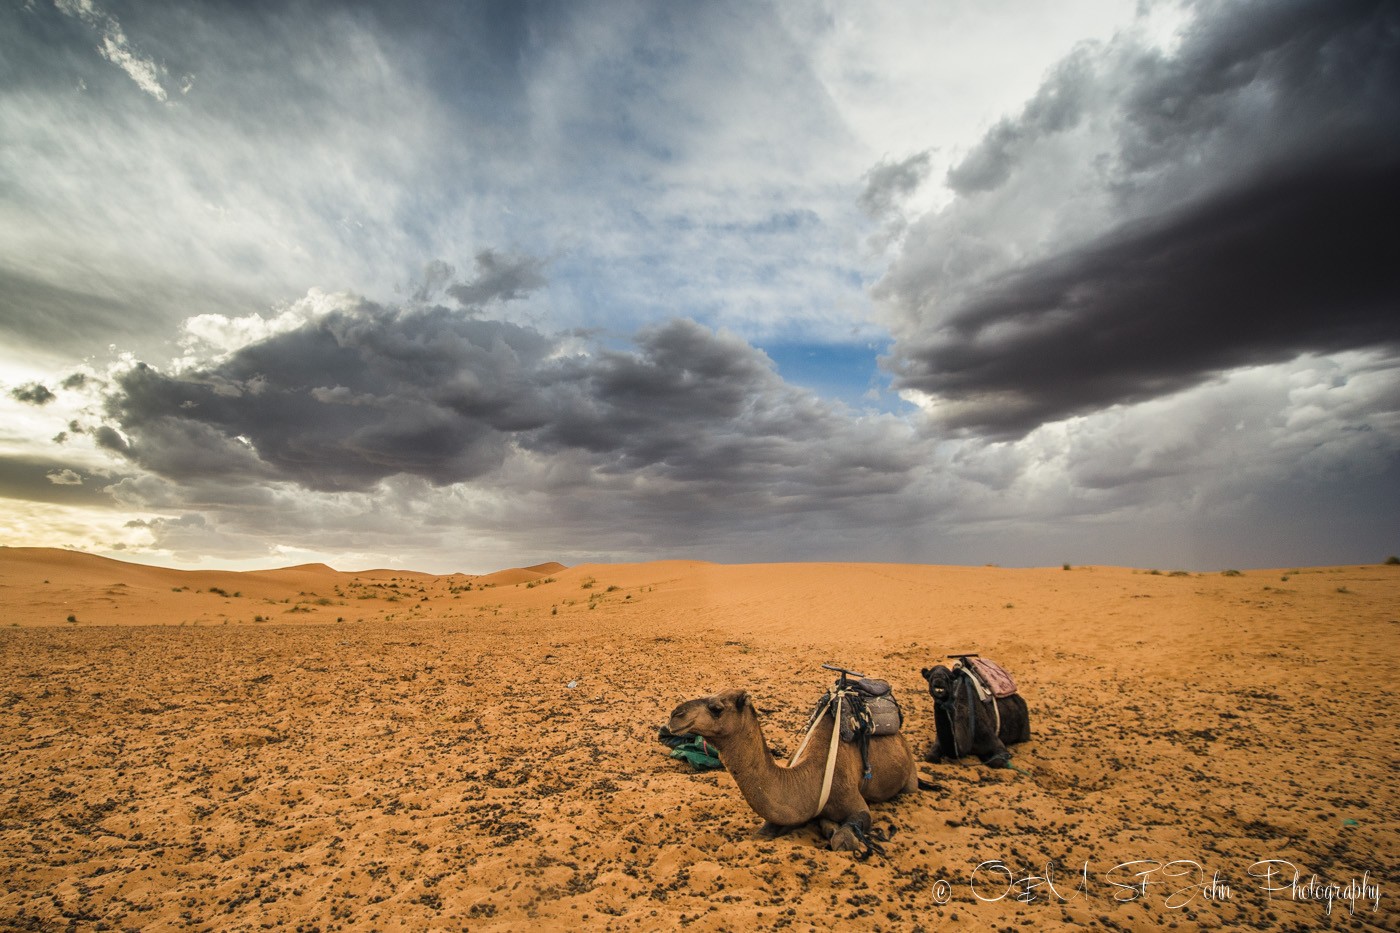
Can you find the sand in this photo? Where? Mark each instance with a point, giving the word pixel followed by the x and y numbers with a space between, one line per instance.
pixel 318 750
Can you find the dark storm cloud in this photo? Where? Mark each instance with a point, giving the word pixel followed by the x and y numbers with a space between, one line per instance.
pixel 702 408
pixel 1262 162
pixel 368 393
pixel 888 182
pixel 343 402
pixel 108 438
pixel 33 393
pixel 1293 264
pixel 499 278
pixel 1058 105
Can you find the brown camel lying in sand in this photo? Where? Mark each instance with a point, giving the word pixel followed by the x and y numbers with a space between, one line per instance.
pixel 787 797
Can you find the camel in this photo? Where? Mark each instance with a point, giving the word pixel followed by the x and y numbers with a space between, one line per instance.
pixel 967 726
pixel 787 797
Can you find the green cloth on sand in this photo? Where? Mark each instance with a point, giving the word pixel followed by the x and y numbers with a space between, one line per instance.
pixel 699 753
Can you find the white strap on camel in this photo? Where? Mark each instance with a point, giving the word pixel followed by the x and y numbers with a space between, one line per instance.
pixel 826 701
pixel 830 752
pixel 830 758
pixel 983 693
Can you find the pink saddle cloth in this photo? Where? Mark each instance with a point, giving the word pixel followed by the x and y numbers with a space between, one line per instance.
pixel 995 678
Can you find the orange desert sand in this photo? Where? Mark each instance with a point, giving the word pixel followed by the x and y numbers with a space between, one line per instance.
pixel 316 750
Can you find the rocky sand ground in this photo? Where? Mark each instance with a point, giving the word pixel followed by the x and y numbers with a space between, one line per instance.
pixel 460 752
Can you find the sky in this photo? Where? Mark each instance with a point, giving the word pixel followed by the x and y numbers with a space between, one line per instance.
pixel 465 286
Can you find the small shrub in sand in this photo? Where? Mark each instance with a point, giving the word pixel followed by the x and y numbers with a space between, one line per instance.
pixel 1231 573
pixel 1393 560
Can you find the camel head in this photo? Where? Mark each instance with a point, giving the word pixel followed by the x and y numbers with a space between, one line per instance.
pixel 714 717
pixel 940 682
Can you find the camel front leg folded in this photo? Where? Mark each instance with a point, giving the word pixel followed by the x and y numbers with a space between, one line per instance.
pixel 771 830
pixel 847 837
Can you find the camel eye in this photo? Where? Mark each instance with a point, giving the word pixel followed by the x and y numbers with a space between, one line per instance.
pixel 716 709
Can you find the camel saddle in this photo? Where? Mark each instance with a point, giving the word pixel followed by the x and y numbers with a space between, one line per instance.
pixel 992 675
pixel 872 709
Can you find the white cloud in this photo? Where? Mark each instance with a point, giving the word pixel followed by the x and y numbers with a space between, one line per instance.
pixel 207 337
pixel 117 49
pixel 146 73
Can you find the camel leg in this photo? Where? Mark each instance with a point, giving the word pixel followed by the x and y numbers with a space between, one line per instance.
pixel 997 756
pixel 846 839
pixel 771 830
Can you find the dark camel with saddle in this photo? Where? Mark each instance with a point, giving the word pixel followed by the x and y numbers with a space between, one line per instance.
pixel 975 713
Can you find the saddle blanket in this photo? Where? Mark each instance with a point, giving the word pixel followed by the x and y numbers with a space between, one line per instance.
pixel 993 676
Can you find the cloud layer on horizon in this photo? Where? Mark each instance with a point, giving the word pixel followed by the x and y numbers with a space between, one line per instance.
pixel 422 430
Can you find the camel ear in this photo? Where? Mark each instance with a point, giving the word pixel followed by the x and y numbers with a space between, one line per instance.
pixel 741 700
pixel 925 671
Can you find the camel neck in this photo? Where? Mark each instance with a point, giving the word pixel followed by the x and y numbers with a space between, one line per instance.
pixel 781 795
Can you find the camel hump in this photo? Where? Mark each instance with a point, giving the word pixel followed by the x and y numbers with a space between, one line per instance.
pixel 993 676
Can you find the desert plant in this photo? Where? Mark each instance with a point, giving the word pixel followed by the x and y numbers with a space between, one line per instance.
pixel 1393 560
pixel 1231 573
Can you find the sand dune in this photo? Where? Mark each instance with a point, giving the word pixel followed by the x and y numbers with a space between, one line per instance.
pixel 217 751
